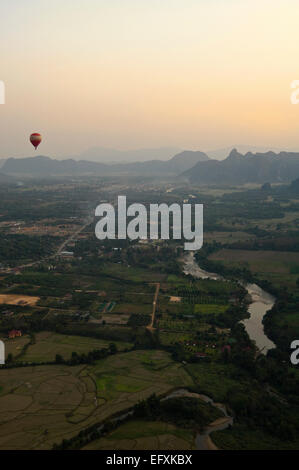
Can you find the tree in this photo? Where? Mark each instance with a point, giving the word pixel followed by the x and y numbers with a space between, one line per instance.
pixel 113 348
pixel 59 359
pixel 9 359
pixel 75 358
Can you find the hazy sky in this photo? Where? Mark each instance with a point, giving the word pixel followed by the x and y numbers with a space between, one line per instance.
pixel 148 73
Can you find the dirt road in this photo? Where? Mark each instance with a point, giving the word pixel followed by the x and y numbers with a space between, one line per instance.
pixel 151 325
pixel 60 248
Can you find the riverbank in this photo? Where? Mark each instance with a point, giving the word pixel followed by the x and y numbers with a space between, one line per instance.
pixel 261 303
pixel 203 439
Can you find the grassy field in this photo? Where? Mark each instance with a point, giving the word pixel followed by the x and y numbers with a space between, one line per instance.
pixel 41 405
pixel 208 309
pixel 212 379
pixel 137 374
pixel 177 280
pixel 181 308
pixel 48 344
pixel 227 237
pixel 168 324
pixel 188 340
pixel 143 435
pixel 133 308
pixel 15 346
pixel 289 218
pixel 34 403
pixel 132 273
pixel 280 267
pixel 260 261
pixel 115 319
pixel 106 283
pixel 168 337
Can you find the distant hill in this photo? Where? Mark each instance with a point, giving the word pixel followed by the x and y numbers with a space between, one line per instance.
pixel 185 159
pixel 108 155
pixel 222 153
pixel 249 168
pixel 46 166
pixel 194 166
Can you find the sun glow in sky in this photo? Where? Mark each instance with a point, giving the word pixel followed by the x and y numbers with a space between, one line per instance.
pixel 148 73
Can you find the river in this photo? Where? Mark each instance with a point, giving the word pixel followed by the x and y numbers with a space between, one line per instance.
pixel 203 440
pixel 261 302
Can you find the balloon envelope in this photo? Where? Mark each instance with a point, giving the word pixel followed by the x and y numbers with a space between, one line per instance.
pixel 35 139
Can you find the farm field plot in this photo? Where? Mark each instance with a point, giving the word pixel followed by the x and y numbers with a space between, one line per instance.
pixel 114 319
pixel 168 338
pixel 194 307
pixel 51 281
pixel 213 379
pixel 106 285
pixel 14 299
pixel 203 288
pixel 15 346
pixel 142 435
pixel 204 291
pixel 188 341
pixel 132 274
pixel 36 284
pixel 136 375
pixel 106 306
pixel 208 309
pixel 177 309
pixel 48 344
pixel 41 405
pixel 34 402
pixel 177 280
pixel 186 325
pixel 228 237
pixel 260 261
pixel 129 308
pixel 289 218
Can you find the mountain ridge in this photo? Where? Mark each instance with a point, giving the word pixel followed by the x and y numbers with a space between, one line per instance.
pixel 45 166
pixel 251 167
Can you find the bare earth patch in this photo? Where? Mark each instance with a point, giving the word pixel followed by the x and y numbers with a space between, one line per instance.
pixel 13 299
pixel 175 299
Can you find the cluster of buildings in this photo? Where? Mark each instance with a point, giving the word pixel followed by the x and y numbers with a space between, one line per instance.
pixel 14 334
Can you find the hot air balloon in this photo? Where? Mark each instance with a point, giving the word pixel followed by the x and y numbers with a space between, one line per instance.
pixel 35 139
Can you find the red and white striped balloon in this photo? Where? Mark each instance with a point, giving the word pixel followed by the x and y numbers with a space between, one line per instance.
pixel 35 139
